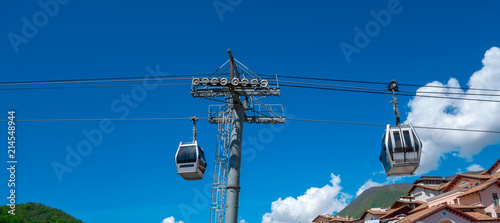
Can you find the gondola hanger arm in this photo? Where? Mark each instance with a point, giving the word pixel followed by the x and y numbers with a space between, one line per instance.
pixel 393 86
pixel 194 119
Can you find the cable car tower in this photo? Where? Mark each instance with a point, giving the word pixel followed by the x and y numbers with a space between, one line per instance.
pixel 242 90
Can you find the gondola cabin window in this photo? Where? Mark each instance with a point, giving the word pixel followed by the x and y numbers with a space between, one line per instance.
pixel 397 139
pixel 406 134
pixel 187 155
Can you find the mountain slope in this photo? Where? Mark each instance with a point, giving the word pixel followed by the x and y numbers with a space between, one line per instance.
pixel 35 213
pixel 383 196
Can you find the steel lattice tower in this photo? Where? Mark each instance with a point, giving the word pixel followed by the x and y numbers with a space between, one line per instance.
pixel 220 168
pixel 239 90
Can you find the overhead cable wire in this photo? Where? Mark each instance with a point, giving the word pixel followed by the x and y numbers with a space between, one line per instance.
pixel 264 75
pixel 337 86
pixel 448 87
pixel 327 79
pixel 457 93
pixel 94 86
pixel 375 124
pixel 99 119
pixel 388 93
pixel 349 88
pixel 375 82
pixel 103 81
pixel 94 81
pixel 99 79
pixel 291 119
pixel 376 89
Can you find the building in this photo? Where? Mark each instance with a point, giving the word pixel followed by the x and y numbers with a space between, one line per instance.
pixel 322 219
pixel 427 187
pixel 372 214
pixel 464 198
pixel 394 215
pixel 333 219
pixel 446 214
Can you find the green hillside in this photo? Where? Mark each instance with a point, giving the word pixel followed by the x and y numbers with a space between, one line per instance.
pixel 35 213
pixel 383 196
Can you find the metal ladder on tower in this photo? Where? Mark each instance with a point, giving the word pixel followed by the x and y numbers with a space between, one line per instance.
pixel 218 201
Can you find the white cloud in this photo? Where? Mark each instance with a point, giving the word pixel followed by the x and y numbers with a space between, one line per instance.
pixel 243 221
pixel 475 167
pixel 171 220
pixel 368 184
pixel 379 172
pixel 462 114
pixel 306 207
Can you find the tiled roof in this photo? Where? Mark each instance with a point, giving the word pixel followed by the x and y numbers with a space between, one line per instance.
pixel 419 208
pixel 418 215
pixel 491 168
pixel 444 185
pixel 426 212
pixel 496 175
pixel 479 216
pixel 436 188
pixel 481 187
pixel 391 212
pixel 376 212
pixel 460 176
pixel 477 176
pixel 321 216
pixel 333 220
pixel 400 203
pixel 461 206
pixel 373 212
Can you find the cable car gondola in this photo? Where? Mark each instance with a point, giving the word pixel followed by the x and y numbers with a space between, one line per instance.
pixel 401 147
pixel 190 161
pixel 190 158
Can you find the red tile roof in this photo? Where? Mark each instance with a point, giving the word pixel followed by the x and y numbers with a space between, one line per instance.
pixel 481 187
pixel 462 206
pixel 496 175
pixel 434 188
pixel 429 211
pixel 321 216
pixel 373 212
pixel 444 185
pixel 419 208
pixel 376 212
pixel 491 168
pixel 479 216
pixel 460 176
pixel 477 176
pixel 397 211
pixel 400 203
pixel 333 220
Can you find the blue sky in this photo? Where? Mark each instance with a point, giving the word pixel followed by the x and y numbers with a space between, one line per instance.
pixel 130 176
